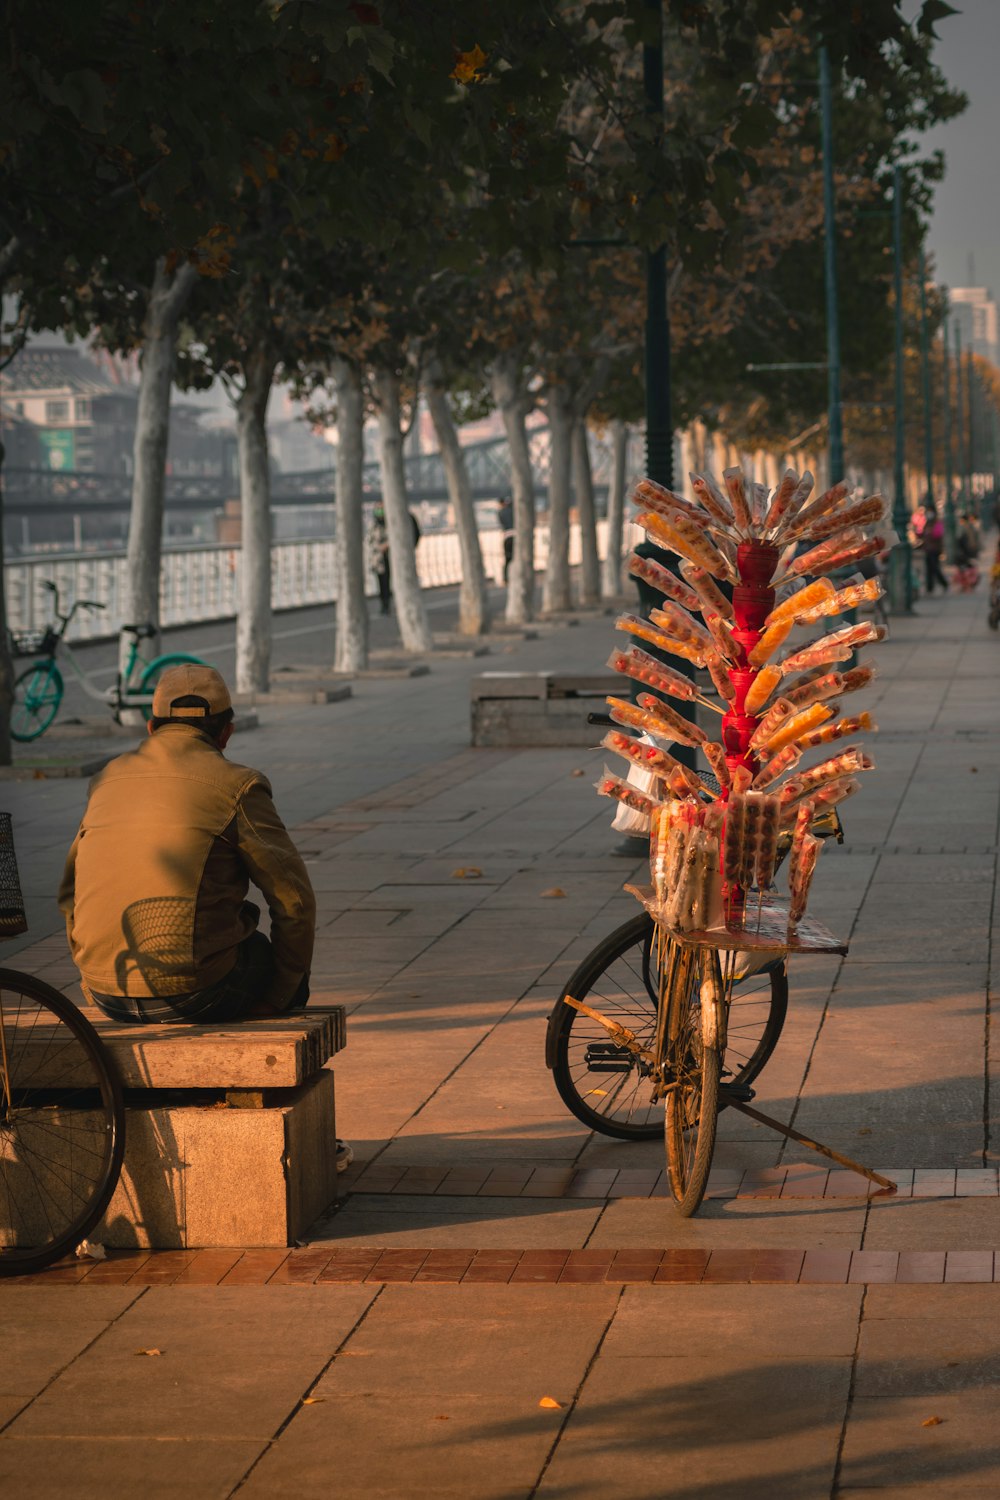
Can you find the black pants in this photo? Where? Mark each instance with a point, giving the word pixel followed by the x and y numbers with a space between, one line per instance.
pixel 384 588
pixel 508 555
pixel 240 991
pixel 933 571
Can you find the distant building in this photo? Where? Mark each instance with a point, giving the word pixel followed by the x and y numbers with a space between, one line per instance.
pixel 974 310
pixel 83 413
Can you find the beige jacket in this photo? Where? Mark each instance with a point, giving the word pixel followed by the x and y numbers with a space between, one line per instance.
pixel 154 890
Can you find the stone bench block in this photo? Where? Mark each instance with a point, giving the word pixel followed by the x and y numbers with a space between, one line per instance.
pixel 200 1176
pixel 271 1052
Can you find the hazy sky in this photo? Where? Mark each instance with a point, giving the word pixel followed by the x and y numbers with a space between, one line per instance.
pixel 967 203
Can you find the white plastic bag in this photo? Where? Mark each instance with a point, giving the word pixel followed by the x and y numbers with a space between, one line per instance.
pixel 626 819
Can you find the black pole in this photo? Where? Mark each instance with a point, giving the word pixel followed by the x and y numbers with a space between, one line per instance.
pixel 900 578
pixel 835 421
pixel 659 420
pixel 925 367
pixel 659 423
pixel 969 374
pixel 949 487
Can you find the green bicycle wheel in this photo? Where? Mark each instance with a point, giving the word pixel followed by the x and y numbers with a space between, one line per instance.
pixel 156 669
pixel 37 695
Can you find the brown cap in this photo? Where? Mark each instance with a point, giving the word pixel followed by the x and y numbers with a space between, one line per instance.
pixel 191 691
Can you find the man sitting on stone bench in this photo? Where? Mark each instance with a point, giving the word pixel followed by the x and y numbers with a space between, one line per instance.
pixel 155 885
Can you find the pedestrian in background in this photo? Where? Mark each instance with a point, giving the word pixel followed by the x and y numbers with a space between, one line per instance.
pixel 932 546
pixel 505 520
pixel 378 558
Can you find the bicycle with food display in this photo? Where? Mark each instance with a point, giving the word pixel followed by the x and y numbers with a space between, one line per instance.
pixel 682 1007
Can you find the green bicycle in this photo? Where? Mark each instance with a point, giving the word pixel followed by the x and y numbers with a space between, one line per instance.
pixel 38 690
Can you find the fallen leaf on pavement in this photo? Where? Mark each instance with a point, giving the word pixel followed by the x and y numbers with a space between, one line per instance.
pixel 553 892
pixel 932 1422
pixel 150 1352
pixel 578 773
pixel 550 1404
pixel 312 1400
pixel 466 872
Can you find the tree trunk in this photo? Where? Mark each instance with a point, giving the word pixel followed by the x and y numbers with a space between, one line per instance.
pixel 141 602
pixel 583 484
pixel 556 593
pixel 616 510
pixel 473 601
pixel 6 665
pixel 352 607
pixel 411 615
pixel 253 624
pixel 510 399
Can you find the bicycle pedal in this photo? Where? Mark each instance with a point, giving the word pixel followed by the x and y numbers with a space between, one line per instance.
pixel 736 1093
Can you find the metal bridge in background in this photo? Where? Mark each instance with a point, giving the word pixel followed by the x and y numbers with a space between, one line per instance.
pixel 34 492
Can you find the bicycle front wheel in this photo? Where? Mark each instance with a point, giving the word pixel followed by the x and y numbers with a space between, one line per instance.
pixel 37 695
pixel 155 670
pixel 62 1125
pixel 607 1087
pixel 692 1068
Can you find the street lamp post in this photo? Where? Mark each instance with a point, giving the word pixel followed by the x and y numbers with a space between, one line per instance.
pixel 659 423
pixel 949 495
pixel 835 421
pixel 959 422
pixel 925 368
pixel 969 393
pixel 900 585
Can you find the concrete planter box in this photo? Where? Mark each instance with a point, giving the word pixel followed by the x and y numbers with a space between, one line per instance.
pixel 522 709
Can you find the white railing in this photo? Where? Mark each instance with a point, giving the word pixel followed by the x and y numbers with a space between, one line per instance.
pixel 202 583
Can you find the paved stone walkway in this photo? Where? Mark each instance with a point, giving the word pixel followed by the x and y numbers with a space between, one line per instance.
pixel 509 1341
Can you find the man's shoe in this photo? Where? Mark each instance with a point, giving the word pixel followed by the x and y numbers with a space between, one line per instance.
pixel 345 1155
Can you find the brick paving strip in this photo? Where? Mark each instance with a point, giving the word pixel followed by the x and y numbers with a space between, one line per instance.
pixel 796 1181
pixel 377 1265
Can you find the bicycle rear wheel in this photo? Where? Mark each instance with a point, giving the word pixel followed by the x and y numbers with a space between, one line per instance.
pixel 691 1063
pixel 37 695
pixel 62 1125
pixel 607 1087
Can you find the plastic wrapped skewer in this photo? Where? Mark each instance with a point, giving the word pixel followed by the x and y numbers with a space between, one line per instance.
pixel 769 642
pixel 610 785
pixel 785 760
pixel 780 508
pixel 678 623
pixel 838 646
pixel 735 483
pixel 712 500
pixel 654 674
pixel 663 581
pixel 761 688
pixel 779 713
pixel 683 536
pixel 815 687
pixel 644 631
pixel 710 596
pixel 652 758
pixel 793 729
pixel 672 724
pixel 843 600
pixel 797 606
pixel 828 733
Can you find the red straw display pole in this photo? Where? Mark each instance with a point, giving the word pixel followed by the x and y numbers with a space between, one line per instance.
pixel 753 600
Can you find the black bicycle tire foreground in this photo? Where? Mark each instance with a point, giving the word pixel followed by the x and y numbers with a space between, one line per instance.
pixel 605 1086
pixel 62 1125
